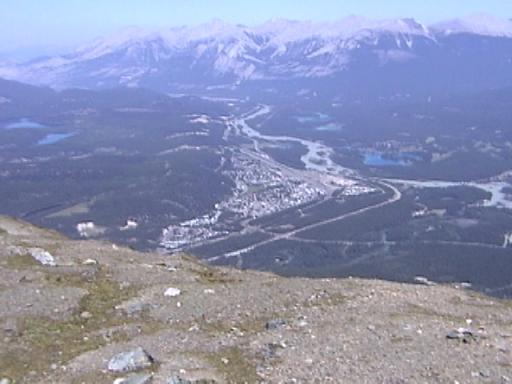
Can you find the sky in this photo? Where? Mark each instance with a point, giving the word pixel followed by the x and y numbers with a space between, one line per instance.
pixel 33 27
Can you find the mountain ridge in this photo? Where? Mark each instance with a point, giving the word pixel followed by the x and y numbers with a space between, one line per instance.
pixel 223 54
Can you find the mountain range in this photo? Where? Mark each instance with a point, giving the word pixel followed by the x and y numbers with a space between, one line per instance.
pixel 378 57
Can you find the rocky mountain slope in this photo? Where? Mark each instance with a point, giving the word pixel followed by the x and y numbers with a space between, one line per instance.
pixel 403 52
pixel 92 312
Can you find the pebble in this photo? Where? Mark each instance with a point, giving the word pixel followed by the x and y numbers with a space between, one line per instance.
pixel 5 380
pixel 275 324
pixel 178 380
pixel 135 308
pixel 464 334
pixel 141 378
pixel 10 328
pixel 86 315
pixel 130 361
pixel 270 350
pixel 423 280
pixel 172 292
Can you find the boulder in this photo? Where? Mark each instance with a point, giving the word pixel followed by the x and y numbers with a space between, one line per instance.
pixel 130 361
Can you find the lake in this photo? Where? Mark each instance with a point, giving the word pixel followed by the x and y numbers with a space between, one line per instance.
pixel 54 138
pixel 24 124
pixel 330 127
pixel 377 159
pixel 316 118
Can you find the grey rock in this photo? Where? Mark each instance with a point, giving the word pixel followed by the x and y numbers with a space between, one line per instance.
pixel 452 335
pixel 141 378
pixel 270 350
pixel 10 328
pixel 275 324
pixel 86 315
pixel 42 256
pixel 135 308
pixel 178 380
pixel 423 280
pixel 130 361
pixel 463 334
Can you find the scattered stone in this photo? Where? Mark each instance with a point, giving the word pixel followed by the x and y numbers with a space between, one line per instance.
pixel 269 350
pixel 172 292
pixel 5 380
pixel 275 324
pixel 10 328
pixel 89 229
pixel 463 334
pixel 134 308
pixel 301 321
pixel 90 262
pixel 86 315
pixel 122 331
pixel 130 361
pixel 42 256
pixel 180 380
pixel 423 280
pixel 464 285
pixel 141 378
pixel 129 225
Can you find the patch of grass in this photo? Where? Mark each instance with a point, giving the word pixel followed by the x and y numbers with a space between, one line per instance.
pixel 45 341
pixel 23 261
pixel 418 310
pixel 93 377
pixel 214 276
pixel 234 366
pixel 249 326
pixel 326 300
pixel 401 339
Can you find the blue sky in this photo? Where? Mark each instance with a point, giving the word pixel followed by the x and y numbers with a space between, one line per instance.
pixel 30 27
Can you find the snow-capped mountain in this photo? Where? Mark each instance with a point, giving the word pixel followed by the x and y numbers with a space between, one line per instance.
pixel 221 53
pixel 479 24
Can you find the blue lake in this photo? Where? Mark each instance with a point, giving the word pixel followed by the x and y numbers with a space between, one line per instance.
pixel 377 159
pixel 316 118
pixel 54 138
pixel 24 124
pixel 331 127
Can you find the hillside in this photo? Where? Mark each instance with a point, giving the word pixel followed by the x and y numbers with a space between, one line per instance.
pixel 65 321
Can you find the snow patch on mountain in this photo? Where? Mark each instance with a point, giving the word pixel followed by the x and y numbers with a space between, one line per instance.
pixel 220 52
pixel 478 24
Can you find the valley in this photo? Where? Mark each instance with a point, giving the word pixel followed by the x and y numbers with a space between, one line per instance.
pixel 258 186
pixel 318 150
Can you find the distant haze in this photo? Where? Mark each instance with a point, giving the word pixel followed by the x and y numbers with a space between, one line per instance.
pixel 30 28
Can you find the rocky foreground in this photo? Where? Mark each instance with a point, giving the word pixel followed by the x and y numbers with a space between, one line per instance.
pixel 92 312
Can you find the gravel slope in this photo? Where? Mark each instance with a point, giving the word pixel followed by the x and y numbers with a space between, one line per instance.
pixel 64 323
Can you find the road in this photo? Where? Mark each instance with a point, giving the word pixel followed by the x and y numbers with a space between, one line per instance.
pixel 397 195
